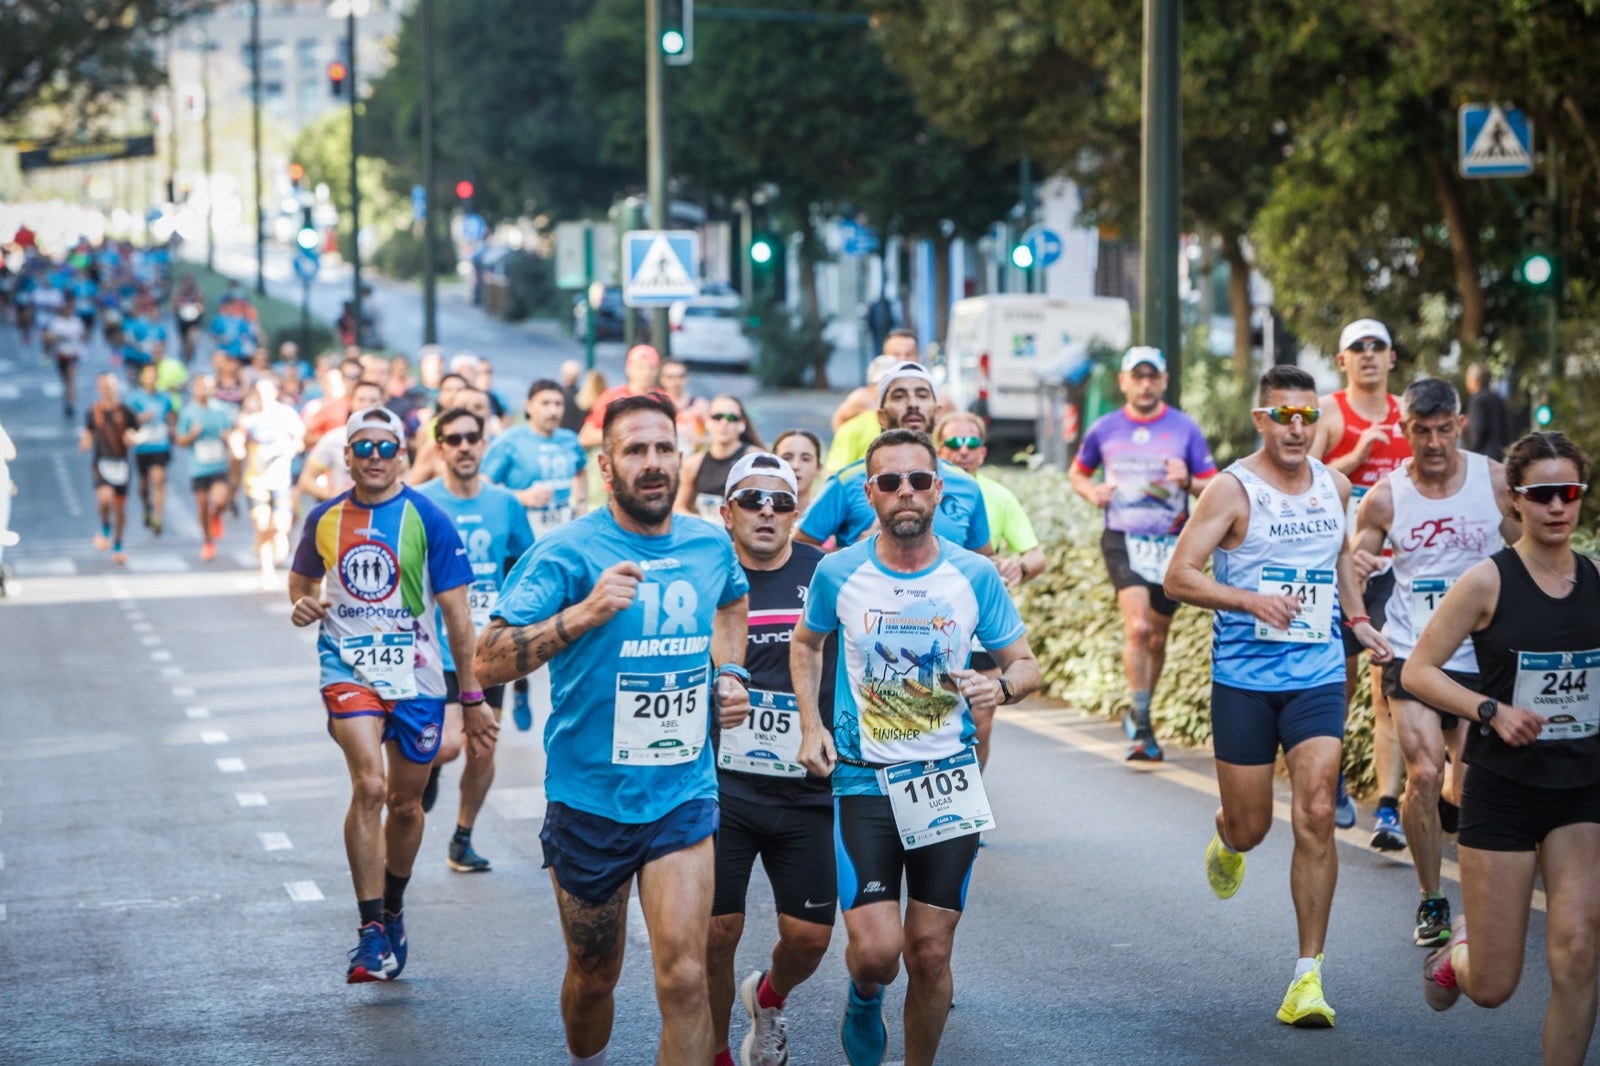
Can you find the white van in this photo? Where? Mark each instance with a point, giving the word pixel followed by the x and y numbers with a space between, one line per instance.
pixel 997 346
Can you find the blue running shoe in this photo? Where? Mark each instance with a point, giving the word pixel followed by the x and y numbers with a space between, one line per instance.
pixel 1130 725
pixel 862 1033
pixel 394 927
pixel 1344 808
pixel 521 709
pixel 1387 835
pixel 372 959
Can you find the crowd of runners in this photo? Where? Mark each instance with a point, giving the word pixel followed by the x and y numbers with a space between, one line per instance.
pixel 793 651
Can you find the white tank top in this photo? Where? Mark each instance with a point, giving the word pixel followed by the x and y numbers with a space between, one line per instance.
pixel 1435 541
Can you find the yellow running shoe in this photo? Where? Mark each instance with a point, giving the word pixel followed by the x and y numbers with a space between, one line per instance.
pixel 1225 870
pixel 1303 1005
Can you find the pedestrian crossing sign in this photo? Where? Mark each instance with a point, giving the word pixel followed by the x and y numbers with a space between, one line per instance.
pixel 662 266
pixel 1495 142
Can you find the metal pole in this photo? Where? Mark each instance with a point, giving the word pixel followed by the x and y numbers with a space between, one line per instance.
pixel 1552 300
pixel 1026 179
pixel 656 128
pixel 255 136
pixel 430 247
pixel 747 233
pixel 588 304
pixel 1159 210
pixel 355 188
pixel 205 141
pixel 174 111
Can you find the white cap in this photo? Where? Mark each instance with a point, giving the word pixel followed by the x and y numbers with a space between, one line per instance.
pixel 904 370
pixel 380 418
pixel 761 464
pixel 1144 354
pixel 1364 327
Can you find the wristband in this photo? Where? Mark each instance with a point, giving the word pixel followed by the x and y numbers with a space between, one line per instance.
pixel 1356 619
pixel 735 671
pixel 468 699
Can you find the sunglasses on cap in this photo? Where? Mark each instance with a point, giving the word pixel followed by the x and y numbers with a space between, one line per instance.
pixel 755 499
pixel 957 443
pixel 1570 491
pixel 455 440
pixel 1284 414
pixel 726 416
pixel 1370 344
pixel 363 449
pixel 921 481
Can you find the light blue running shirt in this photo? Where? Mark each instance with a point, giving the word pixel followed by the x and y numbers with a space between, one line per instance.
pixel 208 453
pixel 629 733
pixel 843 510
pixel 154 435
pixel 494 527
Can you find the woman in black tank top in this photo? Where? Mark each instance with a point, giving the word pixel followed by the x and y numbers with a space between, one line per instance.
pixel 705 474
pixel 1531 800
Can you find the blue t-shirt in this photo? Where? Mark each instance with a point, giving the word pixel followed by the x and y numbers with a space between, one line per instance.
pixel 208 453
pixel 152 409
pixel 647 669
pixel 1134 453
pixel 519 458
pixel 494 527
pixel 900 635
pixel 235 335
pixel 843 510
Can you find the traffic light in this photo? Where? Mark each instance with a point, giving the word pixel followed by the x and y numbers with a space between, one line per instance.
pixel 677 32
pixel 307 239
pixel 761 251
pixel 1543 415
pixel 1536 264
pixel 1022 256
pixel 464 190
pixel 337 73
pixel 296 174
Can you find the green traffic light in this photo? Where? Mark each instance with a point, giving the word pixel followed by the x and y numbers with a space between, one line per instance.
pixel 1022 257
pixel 1538 269
pixel 761 252
pixel 306 238
pixel 1543 415
pixel 672 43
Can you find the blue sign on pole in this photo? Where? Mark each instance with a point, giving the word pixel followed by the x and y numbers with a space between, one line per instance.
pixel 1045 243
pixel 1495 142
pixel 474 228
pixel 659 267
pixel 856 240
pixel 419 203
pixel 306 265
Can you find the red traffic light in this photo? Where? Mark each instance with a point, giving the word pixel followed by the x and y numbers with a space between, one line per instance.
pixel 337 71
pixel 296 172
pixel 464 189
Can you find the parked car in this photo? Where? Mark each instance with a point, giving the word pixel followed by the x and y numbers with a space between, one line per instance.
pixel 608 317
pixel 711 329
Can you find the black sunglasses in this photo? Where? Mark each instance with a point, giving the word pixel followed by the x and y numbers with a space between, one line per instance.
pixel 363 449
pixel 921 481
pixel 1571 491
pixel 455 440
pixel 755 499
pixel 1370 345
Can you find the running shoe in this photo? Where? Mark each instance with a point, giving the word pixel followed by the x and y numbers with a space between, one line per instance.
pixel 216 527
pixel 156 527
pixel 394 927
pixel 521 709
pixel 862 1032
pixel 1130 725
pixel 119 556
pixel 1225 870
pixel 372 959
pixel 1439 986
pixel 1386 832
pixel 1433 922
pixel 462 859
pixel 767 1042
pixel 1303 1005
pixel 101 542
pixel 430 791
pixel 1344 808
pixel 1449 816
pixel 1144 748
pixel 208 552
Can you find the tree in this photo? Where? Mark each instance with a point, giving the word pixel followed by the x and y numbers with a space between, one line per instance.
pixel 77 57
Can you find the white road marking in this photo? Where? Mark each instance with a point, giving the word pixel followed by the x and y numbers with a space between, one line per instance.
pixel 2 912
pixel 231 765
pixel 213 736
pixel 171 671
pixel 150 641
pixel 183 692
pixel 2 860
pixel 161 656
pixel 274 841
pixel 250 799
pixel 197 712
pixel 157 564
pixel 67 484
pixel 139 623
pixel 303 891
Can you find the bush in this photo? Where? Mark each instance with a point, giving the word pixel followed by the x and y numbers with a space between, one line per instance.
pixel 532 280
pixel 789 348
pixel 401 256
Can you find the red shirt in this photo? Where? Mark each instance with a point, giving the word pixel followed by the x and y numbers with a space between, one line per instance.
pixel 597 413
pixel 1385 455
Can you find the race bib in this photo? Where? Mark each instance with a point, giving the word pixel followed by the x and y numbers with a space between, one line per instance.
pixel 1149 555
pixel 1427 593
pixel 208 451
pixel 385 662
pixel 544 519
pixel 113 472
pixel 1561 688
pixel 660 718
pixel 1314 590
pixel 934 801
pixel 767 742
pixel 481 598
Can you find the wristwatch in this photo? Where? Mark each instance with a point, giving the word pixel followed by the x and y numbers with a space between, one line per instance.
pixel 1005 691
pixel 1486 712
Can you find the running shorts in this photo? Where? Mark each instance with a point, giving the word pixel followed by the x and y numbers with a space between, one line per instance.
pixel 1499 814
pixel 592 856
pixel 1114 546
pixel 871 859
pixel 414 725
pixel 1375 601
pixel 1396 691
pixel 1248 727
pixel 795 844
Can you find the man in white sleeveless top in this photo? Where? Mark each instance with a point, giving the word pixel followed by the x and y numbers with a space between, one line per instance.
pixel 1275 522
pixel 1443 510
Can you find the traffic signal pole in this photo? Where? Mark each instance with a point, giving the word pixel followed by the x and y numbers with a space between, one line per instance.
pixel 1158 214
pixel 355 187
pixel 255 137
pixel 656 132
pixel 430 248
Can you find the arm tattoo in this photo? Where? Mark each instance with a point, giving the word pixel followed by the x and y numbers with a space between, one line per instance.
pixel 506 652
pixel 561 629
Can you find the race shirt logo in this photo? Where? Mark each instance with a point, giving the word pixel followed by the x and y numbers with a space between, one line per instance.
pixel 369 572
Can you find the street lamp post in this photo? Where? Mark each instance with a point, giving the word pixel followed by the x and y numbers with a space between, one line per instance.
pixel 430 251
pixel 255 135
pixel 355 187
pixel 205 140
pixel 1159 209
pixel 656 130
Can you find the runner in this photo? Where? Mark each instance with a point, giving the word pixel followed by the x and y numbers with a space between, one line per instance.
pixel 393 557
pixel 1530 805
pixel 907 604
pixel 705 474
pixel 802 450
pixel 152 445
pixel 273 435
pixel 1154 458
pixel 326 472
pixel 691 409
pixel 771 808
pixel 494 527
pixel 204 426
pixel 1360 437
pixel 1282 565
pixel 636 609
pixel 640 370
pixel 844 510
pixel 108 434
pixel 65 337
pixel 1444 509
pixel 860 427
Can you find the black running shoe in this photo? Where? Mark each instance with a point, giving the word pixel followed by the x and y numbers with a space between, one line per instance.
pixel 1433 922
pixel 430 791
pixel 1449 816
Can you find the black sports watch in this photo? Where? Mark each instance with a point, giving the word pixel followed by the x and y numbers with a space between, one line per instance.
pixel 1005 691
pixel 1486 712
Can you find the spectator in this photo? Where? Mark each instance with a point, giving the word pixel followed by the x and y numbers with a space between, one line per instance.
pixel 1488 417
